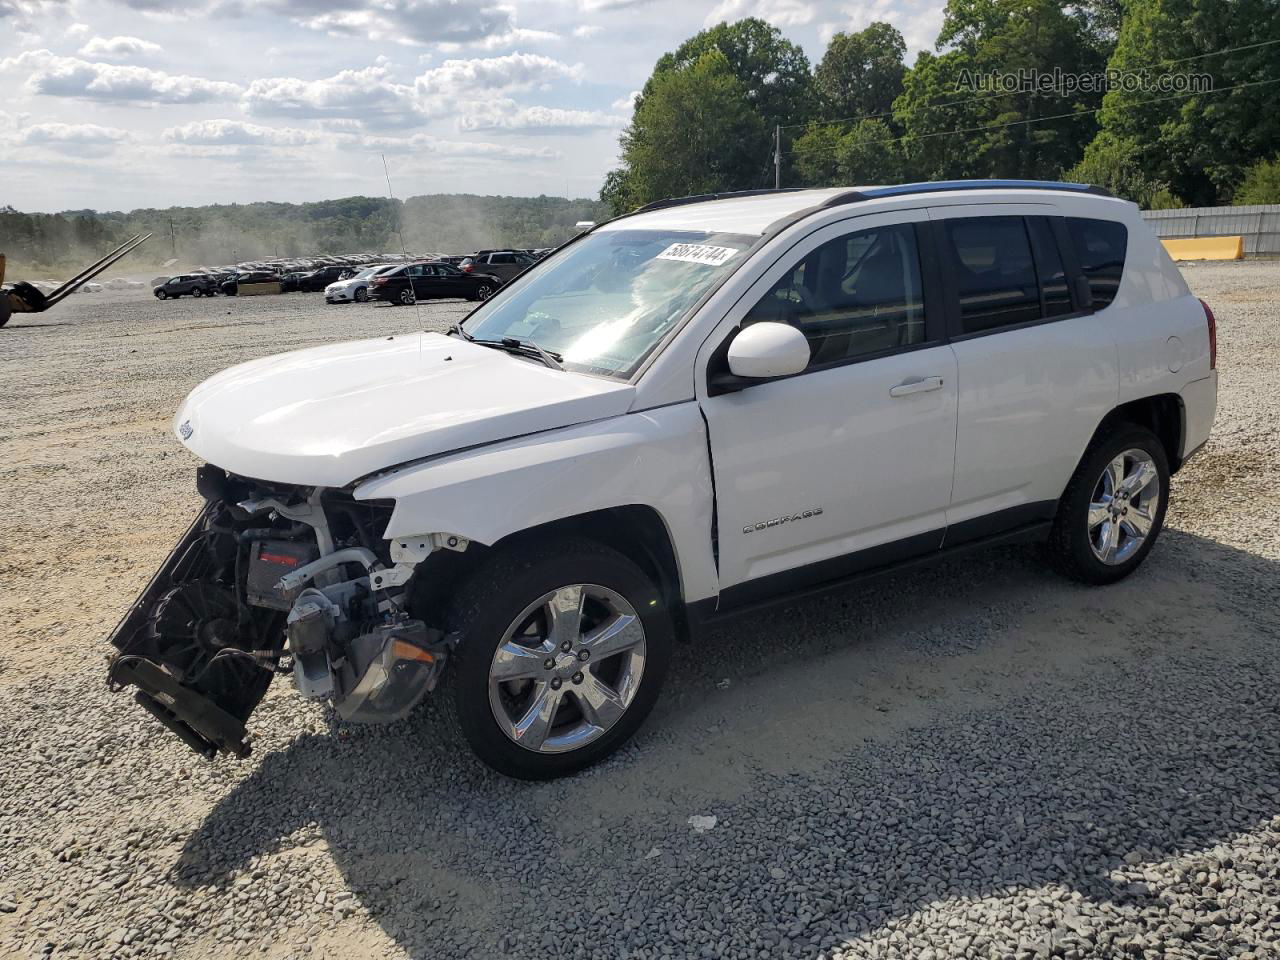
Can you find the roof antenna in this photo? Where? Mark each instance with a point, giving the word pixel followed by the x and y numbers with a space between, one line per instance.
pixel 400 232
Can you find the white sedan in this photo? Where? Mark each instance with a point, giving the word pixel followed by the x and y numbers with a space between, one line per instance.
pixel 354 289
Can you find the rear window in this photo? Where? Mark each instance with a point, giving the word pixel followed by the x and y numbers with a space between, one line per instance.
pixel 1100 246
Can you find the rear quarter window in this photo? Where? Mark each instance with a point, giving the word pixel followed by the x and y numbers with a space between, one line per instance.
pixel 1100 247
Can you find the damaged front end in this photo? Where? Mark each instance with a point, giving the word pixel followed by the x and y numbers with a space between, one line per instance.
pixel 275 579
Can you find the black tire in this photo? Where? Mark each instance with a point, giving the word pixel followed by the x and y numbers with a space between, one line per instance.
pixel 406 297
pixel 1069 549
pixel 489 602
pixel 6 309
pixel 484 291
pixel 197 292
pixel 161 295
pixel 361 295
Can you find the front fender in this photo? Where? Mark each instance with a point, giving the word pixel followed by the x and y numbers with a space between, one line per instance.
pixel 656 458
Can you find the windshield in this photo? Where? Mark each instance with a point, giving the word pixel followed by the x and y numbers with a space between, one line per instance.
pixel 606 301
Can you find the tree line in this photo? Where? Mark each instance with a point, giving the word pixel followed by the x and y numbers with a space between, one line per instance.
pixel 220 234
pixel 706 119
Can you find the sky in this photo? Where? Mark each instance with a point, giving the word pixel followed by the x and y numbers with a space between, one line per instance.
pixel 121 104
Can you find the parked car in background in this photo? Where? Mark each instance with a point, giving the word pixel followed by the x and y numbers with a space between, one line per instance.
pixel 195 285
pixel 232 287
pixel 355 289
pixel 317 280
pixel 434 280
pixel 290 282
pixel 503 264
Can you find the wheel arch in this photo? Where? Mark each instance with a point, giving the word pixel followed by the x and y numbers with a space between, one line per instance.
pixel 1163 414
pixel 637 531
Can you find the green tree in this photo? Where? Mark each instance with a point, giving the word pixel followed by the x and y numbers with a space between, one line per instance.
pixel 773 71
pixel 989 132
pixel 861 73
pixel 694 131
pixel 1200 145
pixel 1261 183
pixel 863 153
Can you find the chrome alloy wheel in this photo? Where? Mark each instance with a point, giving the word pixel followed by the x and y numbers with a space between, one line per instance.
pixel 567 669
pixel 1123 506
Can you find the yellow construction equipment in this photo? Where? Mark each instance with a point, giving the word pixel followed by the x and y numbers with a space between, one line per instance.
pixel 23 297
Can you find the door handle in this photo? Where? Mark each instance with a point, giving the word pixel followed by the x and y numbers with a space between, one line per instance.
pixel 917 385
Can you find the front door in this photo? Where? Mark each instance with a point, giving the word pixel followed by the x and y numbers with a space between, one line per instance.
pixel 848 465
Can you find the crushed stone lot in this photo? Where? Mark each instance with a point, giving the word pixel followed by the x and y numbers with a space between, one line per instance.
pixel 974 760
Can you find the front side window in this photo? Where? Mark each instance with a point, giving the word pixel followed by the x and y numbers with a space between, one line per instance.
pixel 605 302
pixel 994 271
pixel 857 295
pixel 1100 247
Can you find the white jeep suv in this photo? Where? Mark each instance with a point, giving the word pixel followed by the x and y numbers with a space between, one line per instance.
pixel 688 411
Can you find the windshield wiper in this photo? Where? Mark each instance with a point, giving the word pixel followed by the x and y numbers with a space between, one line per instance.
pixel 524 348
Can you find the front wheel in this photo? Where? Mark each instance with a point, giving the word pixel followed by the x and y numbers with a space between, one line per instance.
pixel 563 649
pixel 362 295
pixel 1113 508
pixel 406 296
pixel 161 295
pixel 484 291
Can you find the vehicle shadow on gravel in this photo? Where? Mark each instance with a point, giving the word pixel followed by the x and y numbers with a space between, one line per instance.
pixel 970 731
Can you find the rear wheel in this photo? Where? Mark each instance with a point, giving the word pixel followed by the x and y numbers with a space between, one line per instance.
pixel 197 292
pixel 1113 508
pixel 563 650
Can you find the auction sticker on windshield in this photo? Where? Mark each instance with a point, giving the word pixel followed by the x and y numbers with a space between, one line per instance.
pixel 698 253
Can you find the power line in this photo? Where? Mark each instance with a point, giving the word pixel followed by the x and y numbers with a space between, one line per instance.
pixel 1060 116
pixel 1005 93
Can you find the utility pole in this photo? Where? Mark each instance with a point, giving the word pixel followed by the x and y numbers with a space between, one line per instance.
pixel 777 158
pixel 173 238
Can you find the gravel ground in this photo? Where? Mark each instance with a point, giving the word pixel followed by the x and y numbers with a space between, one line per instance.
pixel 976 760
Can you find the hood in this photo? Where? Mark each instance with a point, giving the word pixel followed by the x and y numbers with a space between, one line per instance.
pixel 329 415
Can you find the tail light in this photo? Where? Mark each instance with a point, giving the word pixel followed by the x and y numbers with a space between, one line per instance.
pixel 1213 335
pixel 468 267
pixel 379 281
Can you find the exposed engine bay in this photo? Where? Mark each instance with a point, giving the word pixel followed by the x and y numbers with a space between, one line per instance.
pixel 272 578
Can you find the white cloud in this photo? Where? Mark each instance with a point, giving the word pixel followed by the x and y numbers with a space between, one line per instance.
pixel 508 116
pixel 368 95
pixel 425 143
pixel 77 30
pixel 78 139
pixel 918 20
pixel 628 102
pixel 410 22
pixel 780 13
pixel 238 133
pixel 119 48
pixel 515 71
pixel 56 76
pixel 587 30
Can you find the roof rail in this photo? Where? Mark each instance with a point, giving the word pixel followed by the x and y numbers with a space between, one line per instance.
pixel 871 193
pixel 704 197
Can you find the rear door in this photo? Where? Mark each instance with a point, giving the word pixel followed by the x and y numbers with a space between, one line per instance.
pixel 452 282
pixel 1036 369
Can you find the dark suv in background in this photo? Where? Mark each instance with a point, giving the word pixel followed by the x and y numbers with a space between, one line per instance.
pixel 196 285
pixel 503 264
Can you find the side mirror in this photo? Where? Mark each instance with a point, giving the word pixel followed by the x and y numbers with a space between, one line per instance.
pixel 768 350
